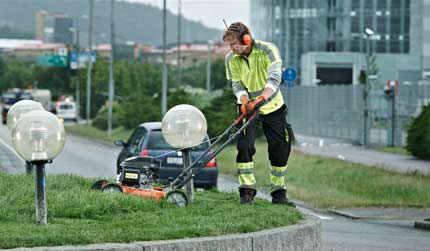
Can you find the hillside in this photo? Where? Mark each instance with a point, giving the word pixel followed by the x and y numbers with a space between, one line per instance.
pixel 134 21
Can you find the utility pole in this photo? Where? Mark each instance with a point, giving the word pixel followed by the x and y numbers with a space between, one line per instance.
pixel 179 44
pixel 208 67
pixel 111 67
pixel 164 76
pixel 89 59
pixel 78 82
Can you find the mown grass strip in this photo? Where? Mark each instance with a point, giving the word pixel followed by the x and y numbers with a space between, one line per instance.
pixel 95 133
pixel 78 215
pixel 327 182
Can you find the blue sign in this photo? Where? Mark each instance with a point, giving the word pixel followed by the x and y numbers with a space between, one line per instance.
pixel 289 75
pixel 83 59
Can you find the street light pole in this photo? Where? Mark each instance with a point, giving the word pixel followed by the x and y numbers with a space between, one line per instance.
pixel 78 88
pixel 164 76
pixel 179 44
pixel 369 33
pixel 111 68
pixel 89 59
pixel 208 68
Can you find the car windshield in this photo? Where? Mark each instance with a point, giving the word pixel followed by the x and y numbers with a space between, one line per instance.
pixel 66 106
pixel 156 141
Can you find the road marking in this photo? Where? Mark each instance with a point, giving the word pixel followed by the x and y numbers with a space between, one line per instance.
pixel 307 211
pixel 11 149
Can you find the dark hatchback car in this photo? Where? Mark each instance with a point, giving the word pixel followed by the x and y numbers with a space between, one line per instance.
pixel 147 140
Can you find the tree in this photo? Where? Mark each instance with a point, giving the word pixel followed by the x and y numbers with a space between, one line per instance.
pixel 16 74
pixel 418 139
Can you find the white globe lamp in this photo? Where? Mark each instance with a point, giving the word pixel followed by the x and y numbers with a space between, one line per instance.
pixel 184 126
pixel 19 109
pixel 38 136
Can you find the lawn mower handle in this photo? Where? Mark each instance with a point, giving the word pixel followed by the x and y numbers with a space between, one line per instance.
pixel 204 158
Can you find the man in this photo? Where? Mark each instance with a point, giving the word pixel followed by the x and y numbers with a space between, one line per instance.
pixel 254 68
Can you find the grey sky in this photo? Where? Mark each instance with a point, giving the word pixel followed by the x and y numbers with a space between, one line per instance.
pixel 209 12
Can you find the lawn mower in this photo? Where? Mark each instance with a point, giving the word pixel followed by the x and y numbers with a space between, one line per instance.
pixel 138 175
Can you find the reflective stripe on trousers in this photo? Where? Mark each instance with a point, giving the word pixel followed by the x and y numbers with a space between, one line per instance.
pixel 245 173
pixel 277 177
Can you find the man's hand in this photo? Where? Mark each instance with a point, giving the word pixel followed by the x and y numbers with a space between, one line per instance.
pixel 255 104
pixel 244 100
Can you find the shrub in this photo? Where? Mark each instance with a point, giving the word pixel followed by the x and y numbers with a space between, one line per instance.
pixel 101 119
pixel 220 113
pixel 418 140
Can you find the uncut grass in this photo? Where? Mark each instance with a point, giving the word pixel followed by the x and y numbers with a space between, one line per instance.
pixel 78 215
pixel 328 182
pixel 95 133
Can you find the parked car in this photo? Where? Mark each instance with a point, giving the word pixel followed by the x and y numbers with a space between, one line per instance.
pixel 147 140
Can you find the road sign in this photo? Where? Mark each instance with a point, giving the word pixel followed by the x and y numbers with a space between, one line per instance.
pixel 290 74
pixel 52 60
pixel 83 59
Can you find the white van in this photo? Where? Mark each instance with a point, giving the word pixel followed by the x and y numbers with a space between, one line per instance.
pixel 66 111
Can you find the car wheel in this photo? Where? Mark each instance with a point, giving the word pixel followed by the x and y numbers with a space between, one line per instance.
pixel 177 197
pixel 98 185
pixel 112 188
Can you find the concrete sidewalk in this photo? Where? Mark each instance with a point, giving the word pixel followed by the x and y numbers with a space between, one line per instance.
pixel 347 151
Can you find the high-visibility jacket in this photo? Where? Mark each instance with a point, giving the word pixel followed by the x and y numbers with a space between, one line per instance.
pixel 261 69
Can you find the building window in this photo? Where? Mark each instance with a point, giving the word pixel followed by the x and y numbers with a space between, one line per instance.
pixel 395 4
pixel 355 25
pixel 331 46
pixel 380 46
pixel 355 45
pixel 381 4
pixel 395 25
pixel 406 46
pixel 381 26
pixel 355 5
pixel 394 46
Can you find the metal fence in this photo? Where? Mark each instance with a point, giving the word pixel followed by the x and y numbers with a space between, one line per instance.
pixel 338 112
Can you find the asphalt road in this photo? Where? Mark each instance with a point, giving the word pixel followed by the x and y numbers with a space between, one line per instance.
pixel 93 159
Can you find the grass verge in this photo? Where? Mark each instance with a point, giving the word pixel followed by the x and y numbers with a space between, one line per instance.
pixel 78 215
pixel 95 133
pixel 326 182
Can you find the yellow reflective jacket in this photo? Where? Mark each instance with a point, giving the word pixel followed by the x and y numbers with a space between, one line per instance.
pixel 261 69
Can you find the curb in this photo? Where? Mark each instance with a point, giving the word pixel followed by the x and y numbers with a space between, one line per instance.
pixel 306 235
pixel 423 224
pixel 344 214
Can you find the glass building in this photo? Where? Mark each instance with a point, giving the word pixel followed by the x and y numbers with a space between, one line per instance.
pixel 301 26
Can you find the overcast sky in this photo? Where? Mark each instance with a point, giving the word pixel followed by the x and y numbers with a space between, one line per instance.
pixel 209 12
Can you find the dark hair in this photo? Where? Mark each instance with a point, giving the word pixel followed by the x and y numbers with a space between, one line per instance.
pixel 234 32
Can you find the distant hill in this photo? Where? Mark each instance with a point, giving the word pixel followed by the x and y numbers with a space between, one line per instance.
pixel 134 21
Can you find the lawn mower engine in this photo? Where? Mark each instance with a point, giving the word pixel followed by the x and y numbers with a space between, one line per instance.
pixel 139 172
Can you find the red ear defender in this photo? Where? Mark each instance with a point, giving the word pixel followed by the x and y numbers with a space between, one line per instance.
pixel 246 39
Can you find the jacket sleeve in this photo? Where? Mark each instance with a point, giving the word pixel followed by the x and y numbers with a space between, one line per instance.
pixel 274 72
pixel 233 77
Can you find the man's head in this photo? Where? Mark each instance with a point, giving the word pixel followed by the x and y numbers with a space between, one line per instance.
pixel 238 37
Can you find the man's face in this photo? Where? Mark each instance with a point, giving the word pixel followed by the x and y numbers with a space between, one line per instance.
pixel 235 45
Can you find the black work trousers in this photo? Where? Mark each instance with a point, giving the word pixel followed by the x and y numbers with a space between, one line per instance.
pixel 278 134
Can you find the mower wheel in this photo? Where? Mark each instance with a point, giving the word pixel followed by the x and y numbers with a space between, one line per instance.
pixel 99 184
pixel 177 197
pixel 111 188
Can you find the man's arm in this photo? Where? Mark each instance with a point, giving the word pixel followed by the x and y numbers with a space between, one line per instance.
pixel 274 72
pixel 238 89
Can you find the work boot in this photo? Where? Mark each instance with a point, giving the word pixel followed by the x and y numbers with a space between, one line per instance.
pixel 247 195
pixel 280 197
